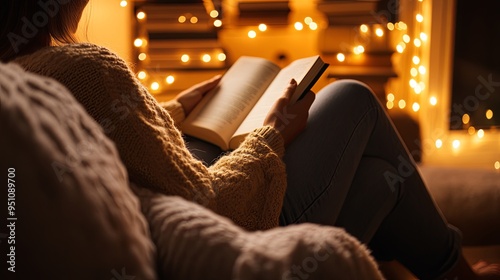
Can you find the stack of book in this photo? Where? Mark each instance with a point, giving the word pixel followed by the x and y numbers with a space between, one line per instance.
pixel 253 12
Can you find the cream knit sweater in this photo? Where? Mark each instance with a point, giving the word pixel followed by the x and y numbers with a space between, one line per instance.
pixel 246 186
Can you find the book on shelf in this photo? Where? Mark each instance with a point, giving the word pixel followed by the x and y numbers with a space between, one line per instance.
pixel 244 97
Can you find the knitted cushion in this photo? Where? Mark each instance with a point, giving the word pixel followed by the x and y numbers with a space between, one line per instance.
pixel 76 216
pixel 195 243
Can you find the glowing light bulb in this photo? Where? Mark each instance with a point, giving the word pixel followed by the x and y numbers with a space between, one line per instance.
pixel 419 18
pixel 439 143
pixel 193 20
pixel 480 133
pixel 313 26
pixel 456 144
pixel 401 47
pixel 390 97
pixel 308 20
pixel 155 86
pixel 252 34
pixel 298 26
pixel 341 57
pixel 141 75
pixel 379 32
pixel 123 3
pixel 497 165
pixel 185 58
pixel 214 13
pixel 413 83
pixel 217 23
pixel 170 79
pixel 489 114
pixel 181 19
pixel 390 26
pixel 433 100
pixel 363 28
pixel 402 25
pixel 262 27
pixel 141 15
pixel 415 107
pixel 142 56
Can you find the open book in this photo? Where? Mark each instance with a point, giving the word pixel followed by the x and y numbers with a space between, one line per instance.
pixel 244 97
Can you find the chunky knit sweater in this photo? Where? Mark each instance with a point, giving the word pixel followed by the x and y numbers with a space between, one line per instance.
pixel 246 185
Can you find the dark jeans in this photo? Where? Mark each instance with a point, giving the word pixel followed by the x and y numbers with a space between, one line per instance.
pixel 350 169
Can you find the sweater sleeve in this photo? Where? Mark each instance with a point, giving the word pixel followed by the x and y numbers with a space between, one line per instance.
pixel 175 110
pixel 246 185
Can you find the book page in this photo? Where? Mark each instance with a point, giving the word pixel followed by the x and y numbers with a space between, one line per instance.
pixel 225 107
pixel 255 119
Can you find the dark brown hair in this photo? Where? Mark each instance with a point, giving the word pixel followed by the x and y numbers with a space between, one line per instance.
pixel 28 25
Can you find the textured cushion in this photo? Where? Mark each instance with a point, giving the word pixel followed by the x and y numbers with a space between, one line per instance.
pixel 76 216
pixel 469 199
pixel 195 243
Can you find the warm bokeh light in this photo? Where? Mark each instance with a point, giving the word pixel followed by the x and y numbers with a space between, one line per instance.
pixel 123 3
pixel 390 26
pixel 419 18
pixel 252 34
pixel 415 107
pixel 413 83
pixel 298 26
pixel 402 104
pixel 138 42
pixel 422 70
pixel 221 57
pixel 401 47
pixel 262 27
pixel 182 19
pixel 206 58
pixel 480 133
pixel 193 20
pixel 214 13
pixel 416 59
pixel 413 72
pixel 141 75
pixel 471 130
pixel 379 32
pixel 433 100
pixel 313 26
pixel 363 28
pixel 359 49
pixel 456 144
pixel 406 38
pixel 389 105
pixel 390 97
pixel 341 57
pixel 308 20
pixel 489 114
pixel 141 15
pixel 497 165
pixel 417 42
pixel 439 143
pixel 217 23
pixel 423 36
pixel 142 56
pixel 185 58
pixel 155 86
pixel 170 79
pixel 465 118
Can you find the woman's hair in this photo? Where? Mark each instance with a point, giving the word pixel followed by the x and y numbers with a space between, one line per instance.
pixel 28 25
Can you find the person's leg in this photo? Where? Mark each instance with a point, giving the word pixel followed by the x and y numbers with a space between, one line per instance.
pixel 347 125
pixel 202 150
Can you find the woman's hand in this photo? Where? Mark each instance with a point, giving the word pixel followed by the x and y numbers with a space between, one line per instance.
pixel 192 96
pixel 290 119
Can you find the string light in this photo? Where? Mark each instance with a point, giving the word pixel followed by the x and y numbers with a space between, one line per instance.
pixel 497 165
pixel 433 101
pixel 456 144
pixel 419 18
pixel 421 69
pixel 252 34
pixel 406 38
pixel 262 27
pixel 142 56
pixel 155 86
pixel 123 3
pixel 379 32
pixel 214 13
pixel 390 26
pixel 480 133
pixel 308 20
pixel 439 143
pixel 185 58
pixel 363 28
pixel 465 118
pixel 471 130
pixel 206 58
pixel 193 20
pixel 170 79
pixel 359 49
pixel 182 19
pixel 221 57
pixel 415 106
pixel 298 26
pixel 416 59
pixel 138 42
pixel 489 114
pixel 341 57
pixel 313 26
pixel 141 15
pixel 402 104
pixel 217 23
pixel 141 75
